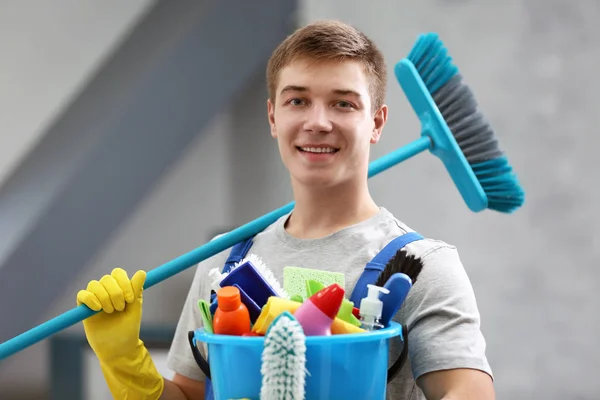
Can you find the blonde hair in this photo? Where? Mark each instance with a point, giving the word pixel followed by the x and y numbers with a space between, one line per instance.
pixel 331 40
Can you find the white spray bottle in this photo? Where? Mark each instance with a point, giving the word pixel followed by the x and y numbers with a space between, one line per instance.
pixel 371 308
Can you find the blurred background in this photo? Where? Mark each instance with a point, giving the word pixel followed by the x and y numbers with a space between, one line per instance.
pixel 133 131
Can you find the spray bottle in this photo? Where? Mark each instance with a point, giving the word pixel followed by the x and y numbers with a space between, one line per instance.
pixel 371 308
pixel 317 313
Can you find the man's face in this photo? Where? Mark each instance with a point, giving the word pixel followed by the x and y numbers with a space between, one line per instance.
pixel 323 122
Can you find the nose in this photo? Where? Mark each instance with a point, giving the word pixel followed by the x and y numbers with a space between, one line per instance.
pixel 317 120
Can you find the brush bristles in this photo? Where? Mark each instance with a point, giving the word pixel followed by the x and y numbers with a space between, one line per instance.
pixel 473 134
pixel 403 263
pixel 284 361
pixel 266 273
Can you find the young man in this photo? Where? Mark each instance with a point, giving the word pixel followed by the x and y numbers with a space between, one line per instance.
pixel 326 108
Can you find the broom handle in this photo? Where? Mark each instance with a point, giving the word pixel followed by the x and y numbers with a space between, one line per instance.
pixel 203 252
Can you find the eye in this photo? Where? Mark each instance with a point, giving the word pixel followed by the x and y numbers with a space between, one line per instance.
pixel 345 104
pixel 296 102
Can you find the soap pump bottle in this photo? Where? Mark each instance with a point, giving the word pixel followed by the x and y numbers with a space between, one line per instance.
pixel 371 308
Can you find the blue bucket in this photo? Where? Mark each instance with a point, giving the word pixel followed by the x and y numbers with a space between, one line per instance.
pixel 348 366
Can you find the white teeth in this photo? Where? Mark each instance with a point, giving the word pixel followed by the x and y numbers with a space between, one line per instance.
pixel 318 149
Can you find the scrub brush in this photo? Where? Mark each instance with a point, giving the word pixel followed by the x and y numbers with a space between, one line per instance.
pixel 283 366
pixel 398 276
pixel 265 272
pixel 403 263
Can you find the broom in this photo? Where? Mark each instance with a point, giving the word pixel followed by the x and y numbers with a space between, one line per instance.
pixel 452 129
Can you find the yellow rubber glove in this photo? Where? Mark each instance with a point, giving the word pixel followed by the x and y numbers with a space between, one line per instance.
pixel 114 335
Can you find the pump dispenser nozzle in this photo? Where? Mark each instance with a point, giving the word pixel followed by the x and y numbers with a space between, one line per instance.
pixel 371 307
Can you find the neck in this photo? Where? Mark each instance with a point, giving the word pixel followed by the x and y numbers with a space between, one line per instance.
pixel 321 212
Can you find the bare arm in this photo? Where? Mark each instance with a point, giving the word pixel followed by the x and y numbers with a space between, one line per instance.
pixel 457 384
pixel 182 388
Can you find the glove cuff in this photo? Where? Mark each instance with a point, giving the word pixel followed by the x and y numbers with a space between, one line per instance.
pixel 134 377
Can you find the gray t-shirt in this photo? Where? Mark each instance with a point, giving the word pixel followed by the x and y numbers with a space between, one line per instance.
pixel 440 311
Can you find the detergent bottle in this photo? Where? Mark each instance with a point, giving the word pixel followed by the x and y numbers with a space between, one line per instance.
pixel 371 308
pixel 231 316
pixel 317 313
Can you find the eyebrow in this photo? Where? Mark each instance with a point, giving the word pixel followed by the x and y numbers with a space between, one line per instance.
pixel 294 88
pixel 344 92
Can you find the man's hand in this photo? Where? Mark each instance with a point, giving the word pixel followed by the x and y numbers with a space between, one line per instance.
pixel 113 335
pixel 457 384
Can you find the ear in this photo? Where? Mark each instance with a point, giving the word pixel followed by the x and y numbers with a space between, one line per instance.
pixel 271 114
pixel 379 119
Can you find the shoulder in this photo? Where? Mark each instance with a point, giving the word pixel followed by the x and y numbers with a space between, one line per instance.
pixel 443 275
pixel 425 249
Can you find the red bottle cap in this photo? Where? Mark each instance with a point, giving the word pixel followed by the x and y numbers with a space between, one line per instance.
pixel 329 299
pixel 356 312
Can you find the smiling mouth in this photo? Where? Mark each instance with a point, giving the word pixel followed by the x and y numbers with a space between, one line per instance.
pixel 318 150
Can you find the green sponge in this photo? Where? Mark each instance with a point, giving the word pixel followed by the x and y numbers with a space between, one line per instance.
pixel 294 279
pixel 301 283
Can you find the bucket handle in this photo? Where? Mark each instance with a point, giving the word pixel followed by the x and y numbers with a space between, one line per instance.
pixel 392 372
pixel 197 356
pixel 399 363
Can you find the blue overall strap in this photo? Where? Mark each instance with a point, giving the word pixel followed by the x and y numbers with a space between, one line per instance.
pixel 237 254
pixel 374 267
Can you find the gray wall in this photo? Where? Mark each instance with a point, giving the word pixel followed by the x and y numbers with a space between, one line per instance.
pixel 48 52
pixel 530 65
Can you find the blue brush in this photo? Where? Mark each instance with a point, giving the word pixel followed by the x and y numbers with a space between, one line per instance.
pixel 398 285
pixel 452 130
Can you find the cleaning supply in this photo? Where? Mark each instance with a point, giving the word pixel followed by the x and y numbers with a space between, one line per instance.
pixel 113 335
pixel 232 316
pixel 401 262
pixel 247 277
pixel 253 308
pixel 452 129
pixel 216 278
pixel 398 287
pixel 371 307
pixel 313 287
pixel 206 315
pixel 283 365
pixel 295 278
pixel 265 272
pixel 317 313
pixel 345 312
pixel 276 305
pixel 398 276
pixel 297 298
